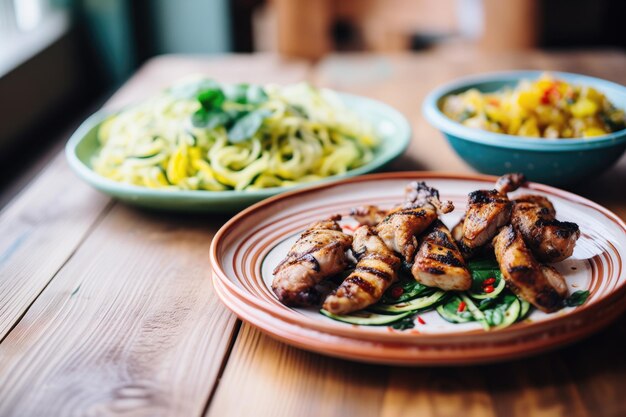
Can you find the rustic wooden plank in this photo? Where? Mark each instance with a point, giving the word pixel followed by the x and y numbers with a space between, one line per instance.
pixel 268 378
pixel 130 325
pixel 264 377
pixel 39 231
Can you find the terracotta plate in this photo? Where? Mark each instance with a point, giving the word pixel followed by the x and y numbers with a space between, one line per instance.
pixel 249 246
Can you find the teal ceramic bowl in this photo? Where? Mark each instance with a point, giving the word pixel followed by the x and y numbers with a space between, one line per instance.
pixel 391 126
pixel 551 161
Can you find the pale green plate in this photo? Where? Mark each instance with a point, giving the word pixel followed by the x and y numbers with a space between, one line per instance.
pixel 391 126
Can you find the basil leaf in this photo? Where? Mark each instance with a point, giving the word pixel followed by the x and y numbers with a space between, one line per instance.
pixel 209 119
pixel 578 298
pixel 212 98
pixel 256 94
pixel 247 126
pixel 237 93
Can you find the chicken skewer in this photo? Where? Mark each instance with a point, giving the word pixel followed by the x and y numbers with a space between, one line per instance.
pixel 550 239
pixel 538 284
pixel 439 263
pixel 319 253
pixel 376 269
pixel 399 229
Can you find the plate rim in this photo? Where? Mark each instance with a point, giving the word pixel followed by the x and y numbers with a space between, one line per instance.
pixel 579 312
pixel 403 354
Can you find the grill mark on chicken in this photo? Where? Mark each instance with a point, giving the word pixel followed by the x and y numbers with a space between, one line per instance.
pixel 550 240
pixel 319 253
pixel 380 274
pixel 487 212
pixel 401 226
pixel 375 271
pixel 310 258
pixel 448 259
pixel 361 283
pixel 527 278
pixel 439 262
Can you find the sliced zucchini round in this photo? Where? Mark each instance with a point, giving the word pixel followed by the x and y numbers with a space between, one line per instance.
pixel 510 314
pixel 449 311
pixel 525 307
pixel 366 318
pixel 496 291
pixel 411 305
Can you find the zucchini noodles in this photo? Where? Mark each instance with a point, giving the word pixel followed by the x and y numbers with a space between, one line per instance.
pixel 200 135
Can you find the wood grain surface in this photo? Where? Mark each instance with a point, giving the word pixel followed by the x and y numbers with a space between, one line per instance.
pixel 108 310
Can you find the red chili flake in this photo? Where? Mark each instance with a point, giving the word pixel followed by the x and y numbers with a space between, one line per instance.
pixel 396 292
pixel 489 281
pixel 420 320
pixel 462 306
pixel 350 228
pixel 488 289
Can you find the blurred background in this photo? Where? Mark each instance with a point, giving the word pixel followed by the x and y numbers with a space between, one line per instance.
pixel 60 59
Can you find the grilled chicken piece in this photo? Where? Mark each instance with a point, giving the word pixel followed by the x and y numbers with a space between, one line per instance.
pixel 539 200
pixel 439 263
pixel 555 279
pixel 319 253
pixel 399 229
pixel 467 252
pixel 487 211
pixel 549 239
pixel 368 215
pixel 524 275
pixel 376 270
pixel 510 182
pixel 418 193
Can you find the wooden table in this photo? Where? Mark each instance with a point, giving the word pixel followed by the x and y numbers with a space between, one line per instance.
pixel 108 310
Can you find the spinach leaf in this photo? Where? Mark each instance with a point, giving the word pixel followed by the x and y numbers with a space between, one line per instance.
pixel 405 323
pixel 483 264
pixel 578 298
pixel 247 126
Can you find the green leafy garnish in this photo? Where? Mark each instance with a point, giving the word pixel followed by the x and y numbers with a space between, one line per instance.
pixel 248 125
pixel 577 298
pixel 410 289
pixel 405 323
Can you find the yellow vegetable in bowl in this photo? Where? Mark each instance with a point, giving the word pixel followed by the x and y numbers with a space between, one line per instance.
pixel 547 107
